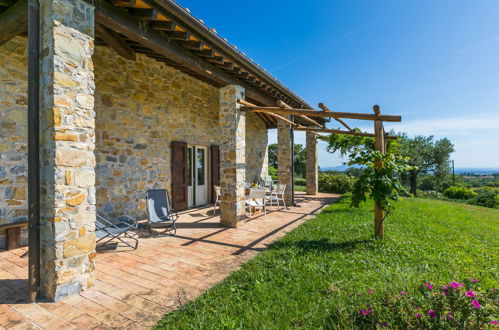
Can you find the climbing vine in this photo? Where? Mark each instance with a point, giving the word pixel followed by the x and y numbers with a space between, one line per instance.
pixel 380 184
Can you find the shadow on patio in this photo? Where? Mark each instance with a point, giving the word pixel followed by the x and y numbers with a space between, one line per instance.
pixel 134 288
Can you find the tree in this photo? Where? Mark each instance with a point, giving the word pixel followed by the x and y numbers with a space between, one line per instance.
pixel 426 155
pixel 300 158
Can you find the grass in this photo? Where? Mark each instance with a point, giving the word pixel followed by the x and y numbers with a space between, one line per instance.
pixel 318 275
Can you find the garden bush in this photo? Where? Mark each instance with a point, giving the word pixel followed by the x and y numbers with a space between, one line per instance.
pixel 486 197
pixel 273 172
pixel 300 182
pixel 335 183
pixel 459 193
pixel 451 306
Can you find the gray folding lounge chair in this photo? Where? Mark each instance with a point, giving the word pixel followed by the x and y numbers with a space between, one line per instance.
pixel 159 210
pixel 116 231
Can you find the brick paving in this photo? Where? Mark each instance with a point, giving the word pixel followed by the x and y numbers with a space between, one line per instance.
pixel 134 288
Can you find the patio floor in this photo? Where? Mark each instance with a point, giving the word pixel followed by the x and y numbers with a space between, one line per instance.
pixel 135 288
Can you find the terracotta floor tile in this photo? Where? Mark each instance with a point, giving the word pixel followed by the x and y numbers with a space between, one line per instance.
pixel 134 288
pixel 10 318
pixel 85 321
pixel 57 323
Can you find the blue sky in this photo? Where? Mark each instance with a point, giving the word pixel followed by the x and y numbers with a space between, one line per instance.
pixel 435 62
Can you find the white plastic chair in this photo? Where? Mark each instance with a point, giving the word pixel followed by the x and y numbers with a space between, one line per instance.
pixel 256 199
pixel 277 195
pixel 218 194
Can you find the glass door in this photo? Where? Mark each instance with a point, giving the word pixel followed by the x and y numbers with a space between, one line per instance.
pixel 197 176
pixel 201 190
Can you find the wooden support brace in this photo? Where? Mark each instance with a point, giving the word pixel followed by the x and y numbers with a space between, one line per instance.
pixel 115 41
pixel 339 120
pixel 246 103
pixel 283 105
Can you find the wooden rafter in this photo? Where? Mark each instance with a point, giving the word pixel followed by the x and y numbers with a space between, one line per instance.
pixel 327 114
pixel 337 131
pixel 283 105
pixel 115 19
pixel 339 120
pixel 14 21
pixel 115 41
pixel 246 103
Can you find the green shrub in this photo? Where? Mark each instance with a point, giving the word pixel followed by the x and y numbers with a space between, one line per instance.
pixel 459 193
pixel 300 182
pixel 335 183
pixel 273 172
pixel 486 197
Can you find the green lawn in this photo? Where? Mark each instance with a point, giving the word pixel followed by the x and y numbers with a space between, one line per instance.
pixel 318 275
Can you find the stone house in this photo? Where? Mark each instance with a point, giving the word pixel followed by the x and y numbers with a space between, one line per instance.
pixel 133 95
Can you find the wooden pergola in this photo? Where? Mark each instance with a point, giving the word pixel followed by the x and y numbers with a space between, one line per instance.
pixel 379 134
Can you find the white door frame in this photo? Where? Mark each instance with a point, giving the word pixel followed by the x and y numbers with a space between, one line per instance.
pixel 197 193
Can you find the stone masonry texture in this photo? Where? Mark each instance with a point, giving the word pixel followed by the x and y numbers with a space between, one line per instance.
pixel 284 157
pixel 140 108
pixel 232 156
pixel 67 148
pixel 13 134
pixel 312 171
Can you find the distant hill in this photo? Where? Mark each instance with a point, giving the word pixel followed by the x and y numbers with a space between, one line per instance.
pixel 477 170
pixel 341 168
pixel 458 170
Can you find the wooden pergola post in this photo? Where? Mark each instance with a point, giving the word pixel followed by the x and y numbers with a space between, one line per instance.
pixel 379 145
pixel 380 137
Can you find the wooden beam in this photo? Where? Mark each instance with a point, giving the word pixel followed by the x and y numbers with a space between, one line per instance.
pixel 179 14
pixel 379 145
pixel 216 59
pixel 114 19
pixel 246 103
pixel 339 120
pixel 192 45
pixel 14 21
pixel 124 3
pixel 332 114
pixel 283 105
pixel 163 25
pixel 115 41
pixel 337 131
pixel 179 35
pixel 208 53
pixel 226 66
pixel 149 14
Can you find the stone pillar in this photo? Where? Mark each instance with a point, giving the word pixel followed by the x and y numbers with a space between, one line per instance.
pixel 232 156
pixel 284 157
pixel 67 145
pixel 312 174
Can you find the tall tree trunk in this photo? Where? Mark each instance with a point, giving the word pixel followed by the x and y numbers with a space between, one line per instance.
pixel 413 178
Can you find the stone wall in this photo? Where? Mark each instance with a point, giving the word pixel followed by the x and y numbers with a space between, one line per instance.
pixel 141 107
pixel 257 158
pixel 13 134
